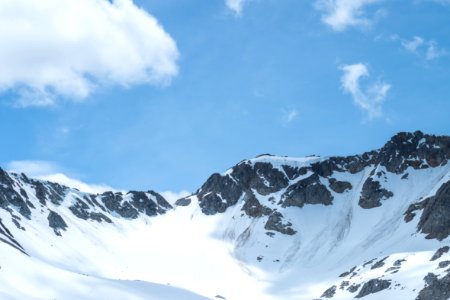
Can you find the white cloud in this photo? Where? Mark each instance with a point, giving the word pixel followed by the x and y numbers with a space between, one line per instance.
pixel 341 14
pixel 172 197
pixel 289 116
pixel 68 48
pixel 369 99
pixel 428 49
pixel 32 168
pixel 413 44
pixel 45 170
pixel 433 51
pixel 235 5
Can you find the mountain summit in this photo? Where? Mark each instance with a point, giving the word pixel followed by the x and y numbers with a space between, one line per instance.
pixel 372 226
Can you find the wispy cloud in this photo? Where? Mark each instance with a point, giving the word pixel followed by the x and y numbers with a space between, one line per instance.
pixel 288 116
pixel 341 14
pixel 369 99
pixel 68 48
pixel 428 49
pixel 50 171
pixel 413 44
pixel 235 6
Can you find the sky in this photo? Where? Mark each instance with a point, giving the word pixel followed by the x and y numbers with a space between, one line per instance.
pixel 160 94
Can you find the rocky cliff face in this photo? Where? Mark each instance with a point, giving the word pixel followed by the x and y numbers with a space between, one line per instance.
pixel 23 197
pixel 294 184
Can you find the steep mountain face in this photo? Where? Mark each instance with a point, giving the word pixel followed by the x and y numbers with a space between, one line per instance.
pixel 309 216
pixel 372 226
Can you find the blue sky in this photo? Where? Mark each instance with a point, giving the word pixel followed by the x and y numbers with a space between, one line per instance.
pixel 214 83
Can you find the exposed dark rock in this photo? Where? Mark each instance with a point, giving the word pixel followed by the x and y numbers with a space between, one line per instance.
pixel 373 286
pixel 410 213
pixel 416 150
pixel 372 193
pixel 23 193
pixel 183 202
pixel 81 210
pixel 18 225
pixel 253 208
pixel 39 191
pixel 392 270
pixel 435 288
pixel 353 288
pixel 9 197
pixel 329 293
pixel 14 245
pixel 113 202
pixel 5 229
pixel 345 274
pixel 56 222
pixel 339 186
pixel 9 238
pixel 379 263
pixel 444 264
pixel 144 204
pixel 294 172
pixel 45 190
pixel 405 176
pixel 92 200
pixel 261 176
pixel 275 223
pixel 344 284
pixel 399 262
pixel 439 252
pixel 160 201
pixel 307 191
pixel 435 218
pixel 369 262
pixel 324 168
pixel 228 189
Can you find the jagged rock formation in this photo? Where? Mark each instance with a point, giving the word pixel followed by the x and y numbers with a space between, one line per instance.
pixel 22 196
pixel 373 286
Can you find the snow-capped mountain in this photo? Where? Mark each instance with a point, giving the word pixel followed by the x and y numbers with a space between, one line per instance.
pixel 372 226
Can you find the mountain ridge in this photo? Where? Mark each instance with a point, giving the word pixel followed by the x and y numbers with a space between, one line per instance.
pixel 274 219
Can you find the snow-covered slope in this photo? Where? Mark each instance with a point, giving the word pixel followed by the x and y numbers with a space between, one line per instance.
pixel 366 226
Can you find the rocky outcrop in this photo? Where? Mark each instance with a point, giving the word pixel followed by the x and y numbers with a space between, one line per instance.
pixel 253 208
pixel 379 263
pixel 435 288
pixel 260 176
pixel 56 222
pixel 83 211
pixel 151 207
pixel 307 191
pixel 275 223
pixel 218 193
pixel 435 218
pixel 372 193
pixel 373 286
pixel 439 252
pixel 339 186
pixel 345 274
pixel 329 293
pixel 134 203
pixel 23 195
